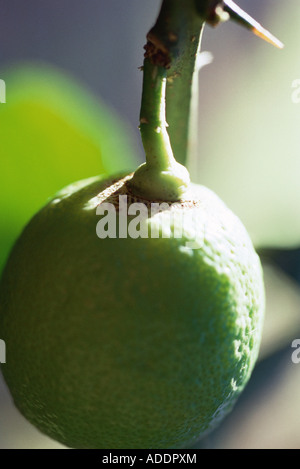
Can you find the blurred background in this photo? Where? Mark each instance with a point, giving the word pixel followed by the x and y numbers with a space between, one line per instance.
pixel 73 90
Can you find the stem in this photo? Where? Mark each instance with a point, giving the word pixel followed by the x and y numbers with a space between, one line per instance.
pixel 170 58
pixel 153 126
pixel 161 177
pixel 178 30
pixel 170 72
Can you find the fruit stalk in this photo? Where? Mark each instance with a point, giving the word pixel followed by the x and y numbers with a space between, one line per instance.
pixel 170 65
pixel 153 126
pixel 177 37
pixel 170 57
pixel 161 177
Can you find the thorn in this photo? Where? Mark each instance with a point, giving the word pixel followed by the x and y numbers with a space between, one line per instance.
pixel 241 17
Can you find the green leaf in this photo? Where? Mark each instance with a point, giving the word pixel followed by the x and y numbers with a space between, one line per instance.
pixel 53 132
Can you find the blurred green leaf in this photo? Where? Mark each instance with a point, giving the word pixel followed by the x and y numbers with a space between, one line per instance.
pixel 53 132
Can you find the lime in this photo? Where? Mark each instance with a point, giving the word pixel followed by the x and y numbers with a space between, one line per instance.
pixel 122 333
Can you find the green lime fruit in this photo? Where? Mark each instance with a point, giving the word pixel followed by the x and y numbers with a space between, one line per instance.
pixel 120 333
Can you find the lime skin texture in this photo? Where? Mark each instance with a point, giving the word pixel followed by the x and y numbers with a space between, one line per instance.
pixel 130 343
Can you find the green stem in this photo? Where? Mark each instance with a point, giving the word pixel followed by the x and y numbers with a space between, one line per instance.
pixel 161 177
pixel 170 57
pixel 170 68
pixel 178 31
pixel 153 126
